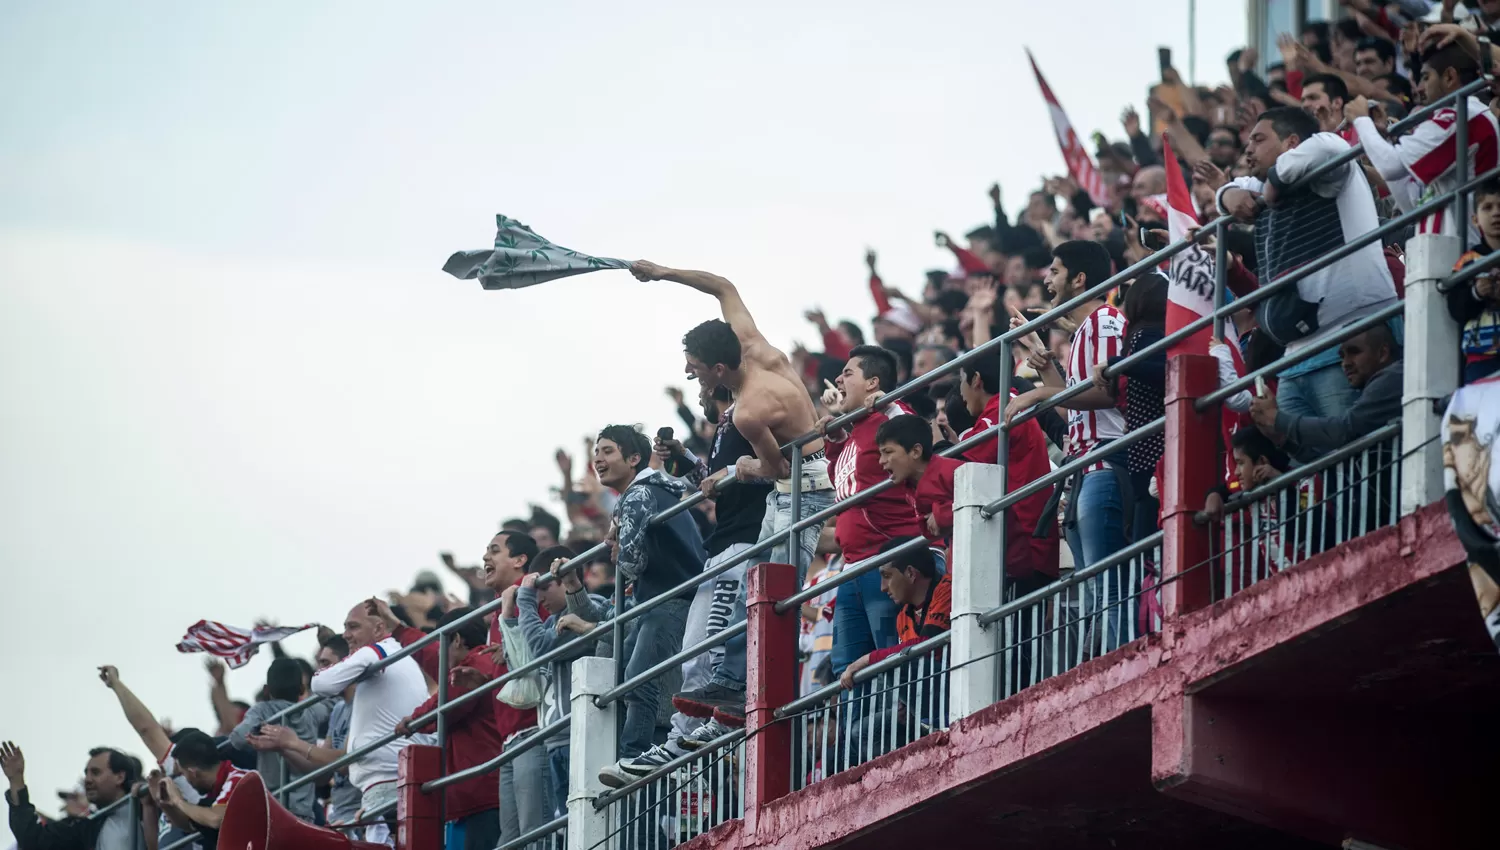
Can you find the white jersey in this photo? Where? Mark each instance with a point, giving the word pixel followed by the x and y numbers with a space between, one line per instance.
pixel 1428 157
pixel 380 702
pixel 1098 338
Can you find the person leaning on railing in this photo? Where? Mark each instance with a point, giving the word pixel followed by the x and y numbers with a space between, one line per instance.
pixel 380 702
pixel 653 559
pixel 472 806
pixel 1098 512
pixel 107 778
pixel 1295 222
pixel 559 627
pixel 1373 366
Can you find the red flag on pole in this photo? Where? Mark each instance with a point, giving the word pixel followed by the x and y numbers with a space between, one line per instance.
pixel 1190 293
pixel 1080 166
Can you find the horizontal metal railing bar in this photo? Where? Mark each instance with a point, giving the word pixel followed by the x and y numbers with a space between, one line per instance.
pixel 830 690
pixel 719 743
pixel 542 831
pixel 1293 477
pixel 109 808
pixel 1145 544
pixel 717 639
pixel 847 574
pixel 513 751
pixel 1068 469
pixel 1352 329
pixel 1468 273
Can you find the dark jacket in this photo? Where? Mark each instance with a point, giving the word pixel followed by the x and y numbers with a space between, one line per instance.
pixel 657 557
pixel 1378 403
pixel 66 834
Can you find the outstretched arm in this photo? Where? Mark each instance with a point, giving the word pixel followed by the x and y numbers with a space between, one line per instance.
pixel 137 714
pixel 735 311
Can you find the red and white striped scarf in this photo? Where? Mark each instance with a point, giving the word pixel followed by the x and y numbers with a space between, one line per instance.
pixel 231 643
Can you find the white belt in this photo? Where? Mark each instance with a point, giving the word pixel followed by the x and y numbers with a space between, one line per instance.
pixel 810 481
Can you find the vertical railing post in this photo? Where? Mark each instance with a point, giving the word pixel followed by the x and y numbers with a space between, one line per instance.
pixel 1432 364
pixel 1192 468
pixel 771 642
pixel 976 569
pixel 419 817
pixel 137 836
pixel 444 662
pixel 594 743
pixel 1221 276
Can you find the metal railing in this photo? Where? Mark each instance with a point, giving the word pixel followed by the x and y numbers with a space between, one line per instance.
pixel 1046 632
pixel 893 702
pixel 685 798
pixel 552 835
pixel 1310 509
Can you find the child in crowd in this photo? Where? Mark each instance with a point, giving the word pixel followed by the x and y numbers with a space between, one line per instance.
pixel 1476 305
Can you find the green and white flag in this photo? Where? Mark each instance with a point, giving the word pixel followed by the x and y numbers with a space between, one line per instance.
pixel 522 258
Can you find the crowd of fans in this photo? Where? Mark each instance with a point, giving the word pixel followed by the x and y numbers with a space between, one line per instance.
pixel 1247 146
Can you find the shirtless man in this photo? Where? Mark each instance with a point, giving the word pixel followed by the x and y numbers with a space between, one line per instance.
pixel 771 407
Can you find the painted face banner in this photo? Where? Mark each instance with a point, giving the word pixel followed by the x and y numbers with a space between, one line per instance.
pixel 522 258
pixel 1471 469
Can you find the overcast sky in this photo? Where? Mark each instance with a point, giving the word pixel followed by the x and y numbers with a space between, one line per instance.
pixel 235 383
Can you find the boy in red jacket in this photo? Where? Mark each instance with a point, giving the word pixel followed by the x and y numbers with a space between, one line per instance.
pixel 473 806
pixel 927 481
pixel 864 618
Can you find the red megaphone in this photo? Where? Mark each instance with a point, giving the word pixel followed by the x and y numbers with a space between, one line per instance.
pixel 255 821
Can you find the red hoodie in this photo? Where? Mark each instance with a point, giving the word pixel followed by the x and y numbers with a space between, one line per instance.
pixel 933 496
pixel 472 737
pixel 1026 462
pixel 864 528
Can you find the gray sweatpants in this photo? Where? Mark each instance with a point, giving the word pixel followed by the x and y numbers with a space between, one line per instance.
pixel 711 612
pixel 525 792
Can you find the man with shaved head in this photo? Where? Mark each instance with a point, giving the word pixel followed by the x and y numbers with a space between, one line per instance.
pixel 380 702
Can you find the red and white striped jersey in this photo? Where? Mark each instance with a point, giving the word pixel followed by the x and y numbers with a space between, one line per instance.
pixel 1429 156
pixel 1098 338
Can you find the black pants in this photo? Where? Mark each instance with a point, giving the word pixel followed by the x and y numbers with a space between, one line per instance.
pixel 482 830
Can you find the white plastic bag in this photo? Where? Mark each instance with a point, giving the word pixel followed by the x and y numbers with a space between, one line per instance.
pixel 525 692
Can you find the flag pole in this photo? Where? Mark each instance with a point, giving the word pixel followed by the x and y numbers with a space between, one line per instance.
pixel 1193 42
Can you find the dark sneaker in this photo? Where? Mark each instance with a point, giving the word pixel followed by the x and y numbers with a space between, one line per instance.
pixel 710 731
pixel 731 716
pixel 626 771
pixel 701 702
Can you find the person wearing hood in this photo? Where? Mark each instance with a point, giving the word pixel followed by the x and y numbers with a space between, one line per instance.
pixel 651 560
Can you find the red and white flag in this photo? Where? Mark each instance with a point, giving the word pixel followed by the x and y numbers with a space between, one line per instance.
pixel 1190 295
pixel 1080 165
pixel 231 643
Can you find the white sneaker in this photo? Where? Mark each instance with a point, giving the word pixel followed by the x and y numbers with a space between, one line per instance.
pixel 626 771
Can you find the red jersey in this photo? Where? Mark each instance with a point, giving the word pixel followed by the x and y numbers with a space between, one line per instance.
pixel 864 528
pixel 472 736
pixel 1026 461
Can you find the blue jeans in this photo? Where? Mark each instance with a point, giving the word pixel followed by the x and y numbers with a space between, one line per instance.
pixel 649 640
pixel 558 761
pixel 731 671
pixel 864 619
pixel 1099 533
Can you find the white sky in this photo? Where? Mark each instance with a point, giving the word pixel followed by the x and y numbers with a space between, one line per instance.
pixel 236 384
